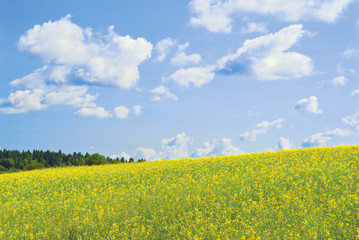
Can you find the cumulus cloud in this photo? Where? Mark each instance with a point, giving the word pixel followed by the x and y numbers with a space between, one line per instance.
pixel 163 48
pixel 268 58
pixel 218 148
pixel 175 147
pixel 24 101
pixel 161 92
pixel 254 27
pixel 110 59
pixel 218 15
pixel 195 76
pixel 145 153
pixel 261 128
pixel 121 112
pixel 321 139
pixel 309 104
pixel 339 81
pixel 41 93
pixel 284 144
pixel 72 52
pixel 98 112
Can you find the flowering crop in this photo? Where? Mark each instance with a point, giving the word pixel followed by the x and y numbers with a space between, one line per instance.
pixel 294 194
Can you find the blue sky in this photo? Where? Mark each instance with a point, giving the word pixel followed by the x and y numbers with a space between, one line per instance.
pixel 172 79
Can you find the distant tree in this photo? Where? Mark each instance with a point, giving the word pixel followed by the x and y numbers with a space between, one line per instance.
pixel 7 163
pixel 131 159
pixel 34 165
pixel 141 160
pixel 122 160
pixel 96 159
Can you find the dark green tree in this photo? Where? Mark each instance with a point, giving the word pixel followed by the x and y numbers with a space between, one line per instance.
pixel 96 159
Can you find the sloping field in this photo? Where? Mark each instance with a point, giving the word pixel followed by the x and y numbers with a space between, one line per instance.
pixel 297 194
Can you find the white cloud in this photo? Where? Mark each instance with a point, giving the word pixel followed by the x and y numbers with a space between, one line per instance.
pixel 70 52
pixel 261 128
pixel 70 95
pixel 41 94
pixel 309 104
pixel 320 139
pixel 163 48
pixel 218 15
pixel 355 92
pixel 182 59
pixel 254 27
pixel 61 42
pixel 274 123
pixel 137 110
pixel 339 81
pixel 24 101
pixel 111 59
pixel 176 147
pixel 284 144
pixel 98 112
pixel 145 153
pixel 121 112
pixel 352 121
pixel 212 16
pixel 196 76
pixel 218 148
pixel 252 135
pixel 163 93
pixel 268 58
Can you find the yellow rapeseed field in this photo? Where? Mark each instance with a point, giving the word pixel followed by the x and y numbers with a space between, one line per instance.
pixel 296 194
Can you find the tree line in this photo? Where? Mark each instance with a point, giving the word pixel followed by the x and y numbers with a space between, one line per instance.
pixel 14 160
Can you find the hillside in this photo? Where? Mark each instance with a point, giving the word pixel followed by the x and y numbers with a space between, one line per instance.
pixel 295 194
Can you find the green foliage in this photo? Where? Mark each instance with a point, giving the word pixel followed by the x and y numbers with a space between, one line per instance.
pixel 7 163
pixel 34 165
pixel 96 159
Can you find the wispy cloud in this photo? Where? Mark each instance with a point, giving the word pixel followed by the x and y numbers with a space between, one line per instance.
pixel 261 128
pixel 321 139
pixel 161 92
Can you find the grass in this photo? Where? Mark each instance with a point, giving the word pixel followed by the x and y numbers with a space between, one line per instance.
pixel 296 194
